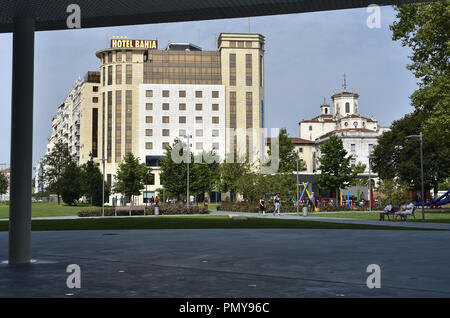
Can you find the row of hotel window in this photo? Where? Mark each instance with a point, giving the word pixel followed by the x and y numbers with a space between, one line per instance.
pixel 181 106
pixel 182 132
pixel 165 145
pixel 181 120
pixel 182 93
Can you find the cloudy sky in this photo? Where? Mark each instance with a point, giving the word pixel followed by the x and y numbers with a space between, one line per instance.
pixel 305 59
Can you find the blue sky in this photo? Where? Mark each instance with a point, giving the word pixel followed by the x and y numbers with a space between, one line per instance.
pixel 305 59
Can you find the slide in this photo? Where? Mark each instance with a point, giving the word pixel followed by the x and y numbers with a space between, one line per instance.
pixel 442 200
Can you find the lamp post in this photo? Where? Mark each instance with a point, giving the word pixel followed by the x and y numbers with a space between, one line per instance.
pixel 421 171
pixel 370 185
pixel 187 136
pixel 296 193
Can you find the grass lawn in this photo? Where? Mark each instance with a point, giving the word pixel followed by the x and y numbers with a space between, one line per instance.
pixel 433 217
pixel 188 222
pixel 47 209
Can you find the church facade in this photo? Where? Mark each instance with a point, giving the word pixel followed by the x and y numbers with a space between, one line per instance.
pixel 342 119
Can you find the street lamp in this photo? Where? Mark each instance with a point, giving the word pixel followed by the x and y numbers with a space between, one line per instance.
pixel 296 159
pixel 370 184
pixel 189 159
pixel 421 171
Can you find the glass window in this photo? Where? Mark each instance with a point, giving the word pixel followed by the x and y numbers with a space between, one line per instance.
pixel 353 147
pixel 149 93
pixel 165 132
pixel 182 119
pixel 119 57
pixel 110 74
pixel 182 93
pixel 232 69
pixel 215 94
pixel 148 145
pixel 165 145
pixel 215 146
pixel 347 107
pixel 182 106
pixel 198 94
pixel 149 119
pixel 199 120
pixel 165 106
pixel 215 133
pixel 149 132
pixel 310 128
pixel 199 145
pixel 199 132
pixel 182 132
pixel 165 93
pixel 95 88
pixel 95 99
pixel 129 56
pixel 129 74
pixel 165 119
pixel 198 106
pixel 148 106
pixel 215 107
pixel 215 120
pixel 118 74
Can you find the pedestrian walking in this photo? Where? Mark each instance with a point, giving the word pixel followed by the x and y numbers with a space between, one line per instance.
pixel 262 206
pixel 277 203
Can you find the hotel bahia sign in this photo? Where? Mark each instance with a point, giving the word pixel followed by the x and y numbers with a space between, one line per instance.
pixel 134 44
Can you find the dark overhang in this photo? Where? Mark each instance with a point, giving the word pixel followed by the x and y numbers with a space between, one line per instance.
pixel 52 15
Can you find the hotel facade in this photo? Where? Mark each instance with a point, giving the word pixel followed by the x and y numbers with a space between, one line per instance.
pixel 143 98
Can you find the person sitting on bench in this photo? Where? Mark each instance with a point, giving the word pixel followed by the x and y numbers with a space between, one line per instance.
pixel 404 211
pixel 387 209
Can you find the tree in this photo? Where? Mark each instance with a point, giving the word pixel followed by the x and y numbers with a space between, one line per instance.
pixel 55 162
pixel 335 169
pixel 4 183
pixel 396 158
pixel 204 175
pixel 70 183
pixel 173 175
pixel 92 183
pixel 230 172
pixel 130 176
pixel 288 159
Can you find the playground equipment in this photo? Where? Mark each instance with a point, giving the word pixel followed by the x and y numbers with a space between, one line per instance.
pixel 305 189
pixel 442 200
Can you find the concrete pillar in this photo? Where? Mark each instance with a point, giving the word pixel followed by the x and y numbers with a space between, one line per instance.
pixel 21 140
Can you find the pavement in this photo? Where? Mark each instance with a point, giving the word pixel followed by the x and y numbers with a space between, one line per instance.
pixel 232 263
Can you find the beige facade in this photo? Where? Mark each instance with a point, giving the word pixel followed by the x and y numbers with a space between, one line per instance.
pixel 303 147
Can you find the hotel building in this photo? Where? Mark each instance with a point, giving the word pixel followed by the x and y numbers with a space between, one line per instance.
pixel 143 98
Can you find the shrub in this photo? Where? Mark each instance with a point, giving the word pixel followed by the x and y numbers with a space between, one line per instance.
pixel 253 207
pixel 164 209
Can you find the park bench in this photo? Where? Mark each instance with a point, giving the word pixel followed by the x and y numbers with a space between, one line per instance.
pixel 404 216
pixel 130 209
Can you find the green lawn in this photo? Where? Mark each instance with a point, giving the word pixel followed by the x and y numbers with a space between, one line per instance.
pixel 434 217
pixel 47 209
pixel 188 222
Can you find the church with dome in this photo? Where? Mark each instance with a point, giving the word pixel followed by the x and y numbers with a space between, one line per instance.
pixel 342 119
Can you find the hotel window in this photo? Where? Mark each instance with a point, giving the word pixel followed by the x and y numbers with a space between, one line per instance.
pixel 129 56
pixel 95 99
pixel 240 43
pixel 104 76
pixel 165 93
pixel 95 88
pixel 215 94
pixel 182 106
pixel 353 147
pixel 148 106
pixel 129 74
pixel 199 132
pixel 249 109
pixel 182 94
pixel 232 109
pixel 198 94
pixel 109 57
pixel 110 75
pixel 215 133
pixel 148 145
pixel 165 119
pixel 109 129
pixel 182 132
pixel 118 74
pixel 165 106
pixel 182 120
pixel 165 145
pixel 198 120
pixel 248 69
pixel 165 132
pixel 215 146
pixel 232 43
pixel 233 69
pixel 215 120
pixel 149 93
pixel 261 71
pixel 199 145
pixel 215 107
pixel 149 119
pixel 149 132
pixel 119 57
pixel 198 107
pixel 118 128
pixel 248 44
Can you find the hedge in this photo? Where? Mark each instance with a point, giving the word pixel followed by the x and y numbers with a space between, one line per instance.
pixel 164 209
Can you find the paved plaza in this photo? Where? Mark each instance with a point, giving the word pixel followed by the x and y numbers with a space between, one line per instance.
pixel 231 263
